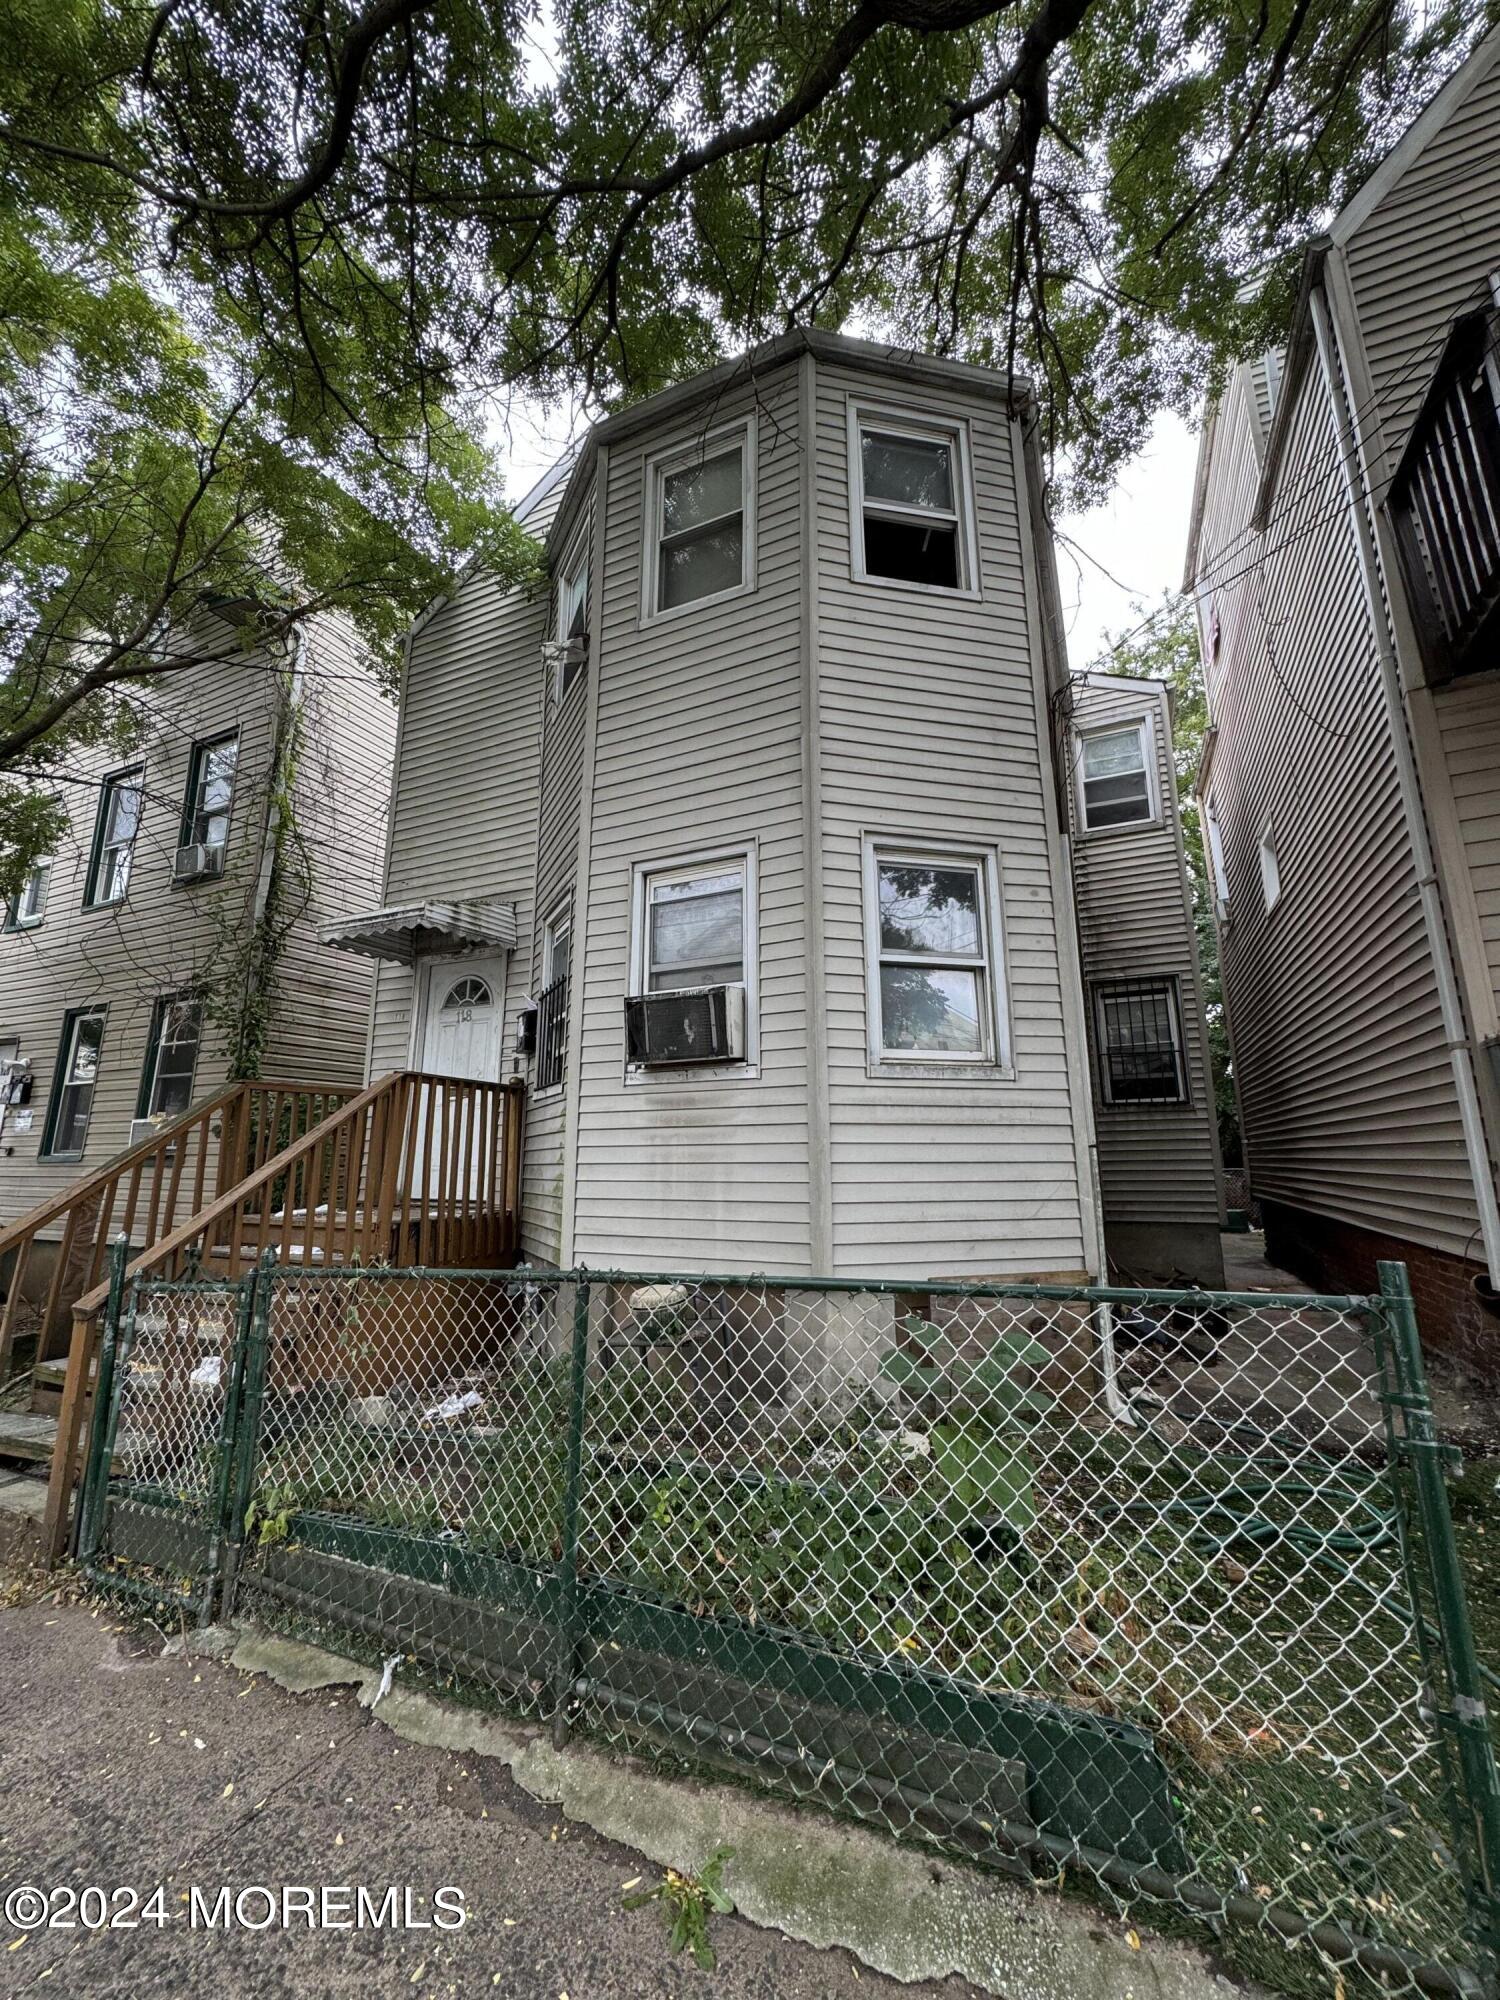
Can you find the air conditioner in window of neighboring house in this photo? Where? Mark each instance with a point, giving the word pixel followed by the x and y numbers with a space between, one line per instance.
pixel 144 1128
pixel 563 657
pixel 198 859
pixel 699 1024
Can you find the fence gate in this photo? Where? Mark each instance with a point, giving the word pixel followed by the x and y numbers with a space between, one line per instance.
pixel 1153 1591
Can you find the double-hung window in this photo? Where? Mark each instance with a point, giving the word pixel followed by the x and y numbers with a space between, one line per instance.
pixel 931 921
pixel 1114 777
pixel 1138 1026
pixel 30 906
pixel 115 830
pixel 210 792
pixel 73 1088
pixel 701 527
pixel 692 926
pixel 572 613
pixel 911 520
pixel 171 1057
pixel 552 1006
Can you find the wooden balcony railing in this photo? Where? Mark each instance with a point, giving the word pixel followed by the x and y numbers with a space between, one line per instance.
pixel 144 1192
pixel 414 1169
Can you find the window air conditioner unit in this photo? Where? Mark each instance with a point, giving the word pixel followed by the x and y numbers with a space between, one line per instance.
pixel 144 1128
pixel 561 656
pixel 699 1024
pixel 197 860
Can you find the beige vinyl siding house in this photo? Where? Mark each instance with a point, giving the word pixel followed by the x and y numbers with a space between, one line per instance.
pixel 776 738
pixel 1354 785
pixel 82 952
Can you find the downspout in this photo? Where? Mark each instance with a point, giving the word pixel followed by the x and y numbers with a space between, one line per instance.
pixel 1346 422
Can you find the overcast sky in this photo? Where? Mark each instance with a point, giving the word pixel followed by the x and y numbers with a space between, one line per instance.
pixel 1123 554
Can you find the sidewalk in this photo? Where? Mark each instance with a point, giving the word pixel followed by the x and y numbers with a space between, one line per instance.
pixel 119 1765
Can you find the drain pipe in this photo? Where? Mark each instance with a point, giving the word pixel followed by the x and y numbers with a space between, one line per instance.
pixel 1455 1031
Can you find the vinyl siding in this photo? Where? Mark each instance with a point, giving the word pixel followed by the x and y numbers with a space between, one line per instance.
pixel 1158 1163
pixel 1423 251
pixel 929 731
pixel 1347 1096
pixel 162 938
pixel 1468 713
pixel 697 749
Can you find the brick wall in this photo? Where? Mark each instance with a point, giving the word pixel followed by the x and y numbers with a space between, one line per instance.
pixel 1341 1257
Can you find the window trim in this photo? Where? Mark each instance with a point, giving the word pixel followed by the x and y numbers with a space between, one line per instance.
pixel 1266 851
pixel 72 1016
pixel 14 920
pixel 1170 982
pixel 201 746
pixel 697 450
pixel 1145 727
pixel 701 861
pixel 996 1060
pixel 577 560
pixel 109 785
pixel 952 431
pixel 149 1068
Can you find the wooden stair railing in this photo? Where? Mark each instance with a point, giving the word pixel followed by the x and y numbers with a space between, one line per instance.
pixel 142 1192
pixel 414 1169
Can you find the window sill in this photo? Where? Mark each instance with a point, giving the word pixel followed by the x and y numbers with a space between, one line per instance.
pixel 115 903
pixel 62 1159
pixel 1152 825
pixel 964 593
pixel 936 1070
pixel 691 1074
pixel 675 611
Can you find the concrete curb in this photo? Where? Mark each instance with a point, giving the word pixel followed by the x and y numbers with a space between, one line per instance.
pixel 911 1915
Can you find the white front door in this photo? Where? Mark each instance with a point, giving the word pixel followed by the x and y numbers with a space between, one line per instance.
pixel 465 1004
pixel 463 1011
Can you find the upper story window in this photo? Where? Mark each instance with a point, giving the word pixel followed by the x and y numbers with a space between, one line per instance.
pixel 1270 867
pixel 115 830
pixel 210 792
pixel 912 521
pixel 572 614
pixel 932 929
pixel 67 1125
pixel 27 911
pixel 171 1057
pixel 1114 777
pixel 1139 1028
pixel 1216 854
pixel 701 522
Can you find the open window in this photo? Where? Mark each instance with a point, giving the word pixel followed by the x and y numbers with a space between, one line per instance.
pixel 206 809
pixel 72 1099
pixel 1138 1031
pixel 931 922
pixel 1115 780
pixel 570 650
pixel 692 963
pixel 1270 867
pixel 910 487
pixel 701 524
pixel 115 830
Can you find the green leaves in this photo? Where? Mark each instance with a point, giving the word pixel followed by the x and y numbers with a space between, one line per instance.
pixel 687 1901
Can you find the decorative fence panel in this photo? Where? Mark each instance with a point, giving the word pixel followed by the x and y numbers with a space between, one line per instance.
pixel 1152 1590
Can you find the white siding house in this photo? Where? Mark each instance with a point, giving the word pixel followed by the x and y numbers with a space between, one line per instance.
pixel 1353 769
pixel 778 733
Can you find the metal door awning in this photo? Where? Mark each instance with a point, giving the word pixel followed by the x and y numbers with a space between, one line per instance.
pixel 404 932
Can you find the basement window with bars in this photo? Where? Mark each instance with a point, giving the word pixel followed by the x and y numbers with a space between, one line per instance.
pixel 1138 1028
pixel 552 1002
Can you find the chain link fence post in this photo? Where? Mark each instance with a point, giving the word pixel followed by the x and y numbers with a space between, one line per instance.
pixel 1477 1826
pixel 242 1460
pixel 567 1565
pixel 220 1521
pixel 96 1464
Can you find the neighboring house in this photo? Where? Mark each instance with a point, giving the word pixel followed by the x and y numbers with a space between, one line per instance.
pixel 171 941
pixel 752 830
pixel 1345 555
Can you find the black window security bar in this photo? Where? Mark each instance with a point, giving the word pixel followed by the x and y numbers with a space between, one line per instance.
pixel 1140 1050
pixel 551 1033
pixel 1445 502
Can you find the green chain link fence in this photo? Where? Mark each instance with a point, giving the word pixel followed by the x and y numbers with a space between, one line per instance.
pixel 1156 1593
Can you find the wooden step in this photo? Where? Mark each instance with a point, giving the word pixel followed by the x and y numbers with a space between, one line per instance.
pixel 47 1379
pixel 31 1438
